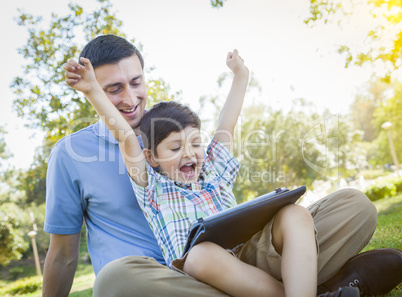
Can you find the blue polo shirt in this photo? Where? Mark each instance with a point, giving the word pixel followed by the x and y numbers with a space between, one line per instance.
pixel 87 180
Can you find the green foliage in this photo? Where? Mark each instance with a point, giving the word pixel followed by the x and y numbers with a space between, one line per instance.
pixel 390 111
pixel 380 191
pixel 286 149
pixel 33 181
pixel 278 149
pixel 26 217
pixel 371 174
pixel 159 90
pixel 384 188
pixel 12 244
pixel 217 3
pixel 22 286
pixel 363 108
pixel 398 184
pixel 377 104
pixel 4 153
pixel 43 99
pixel 383 44
pixel 384 36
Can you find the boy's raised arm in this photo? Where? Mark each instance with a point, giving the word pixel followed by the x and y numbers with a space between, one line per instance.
pixel 82 78
pixel 234 102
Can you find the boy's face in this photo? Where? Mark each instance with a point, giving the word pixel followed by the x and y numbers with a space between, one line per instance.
pixel 124 85
pixel 180 155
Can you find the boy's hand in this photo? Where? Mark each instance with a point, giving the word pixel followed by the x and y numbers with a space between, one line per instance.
pixel 236 63
pixel 81 78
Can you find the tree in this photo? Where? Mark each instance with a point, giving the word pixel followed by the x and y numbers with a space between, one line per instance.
pixel 217 3
pixel 389 111
pixel 4 152
pixel 12 244
pixel 362 109
pixel 43 99
pixel 286 149
pixel 384 38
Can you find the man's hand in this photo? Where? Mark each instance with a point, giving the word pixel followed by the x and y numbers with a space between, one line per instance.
pixel 81 78
pixel 236 63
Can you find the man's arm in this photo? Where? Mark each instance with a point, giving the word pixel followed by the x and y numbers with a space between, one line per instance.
pixel 234 102
pixel 60 264
pixel 82 78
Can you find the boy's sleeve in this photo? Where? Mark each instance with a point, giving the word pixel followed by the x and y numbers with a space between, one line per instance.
pixel 64 209
pixel 223 162
pixel 146 196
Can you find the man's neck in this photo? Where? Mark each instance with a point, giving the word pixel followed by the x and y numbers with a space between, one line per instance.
pixel 137 131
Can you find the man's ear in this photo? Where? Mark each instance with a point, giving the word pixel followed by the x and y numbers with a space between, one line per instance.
pixel 150 157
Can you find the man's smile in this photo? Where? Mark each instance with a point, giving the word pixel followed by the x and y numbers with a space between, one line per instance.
pixel 129 111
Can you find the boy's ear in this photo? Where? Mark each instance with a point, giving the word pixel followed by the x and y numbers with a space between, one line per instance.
pixel 150 157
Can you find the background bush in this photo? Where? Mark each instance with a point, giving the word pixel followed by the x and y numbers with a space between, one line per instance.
pixel 23 286
pixel 398 184
pixel 384 189
pixel 12 243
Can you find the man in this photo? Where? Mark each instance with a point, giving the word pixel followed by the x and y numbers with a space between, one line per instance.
pixel 86 180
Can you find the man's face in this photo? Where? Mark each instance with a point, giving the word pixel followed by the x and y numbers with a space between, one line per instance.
pixel 124 85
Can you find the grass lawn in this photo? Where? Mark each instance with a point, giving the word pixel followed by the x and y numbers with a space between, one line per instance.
pixel 388 234
pixel 389 230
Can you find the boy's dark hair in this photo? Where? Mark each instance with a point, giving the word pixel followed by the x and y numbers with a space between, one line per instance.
pixel 109 49
pixel 163 119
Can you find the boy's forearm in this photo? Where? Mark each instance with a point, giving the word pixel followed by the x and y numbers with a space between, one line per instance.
pixel 129 146
pixel 234 102
pixel 109 114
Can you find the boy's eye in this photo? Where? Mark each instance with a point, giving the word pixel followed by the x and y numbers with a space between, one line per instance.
pixel 196 144
pixel 176 149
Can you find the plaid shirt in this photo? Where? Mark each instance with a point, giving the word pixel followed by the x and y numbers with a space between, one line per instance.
pixel 170 206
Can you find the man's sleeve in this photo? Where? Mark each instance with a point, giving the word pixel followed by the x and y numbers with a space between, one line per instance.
pixel 64 210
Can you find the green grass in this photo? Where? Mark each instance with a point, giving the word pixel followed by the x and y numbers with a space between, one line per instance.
pixel 389 230
pixel 82 285
pixel 25 270
pixel 389 227
pixel 388 234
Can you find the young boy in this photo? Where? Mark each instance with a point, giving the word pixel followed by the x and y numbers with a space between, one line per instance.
pixel 185 187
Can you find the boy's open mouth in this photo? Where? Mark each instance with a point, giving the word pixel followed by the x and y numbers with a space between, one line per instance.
pixel 188 170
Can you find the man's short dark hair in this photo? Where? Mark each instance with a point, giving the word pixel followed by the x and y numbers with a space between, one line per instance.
pixel 163 119
pixel 109 49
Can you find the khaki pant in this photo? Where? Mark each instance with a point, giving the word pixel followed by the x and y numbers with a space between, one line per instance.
pixel 344 220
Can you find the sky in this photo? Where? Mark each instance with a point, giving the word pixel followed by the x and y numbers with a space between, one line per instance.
pixel 187 43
